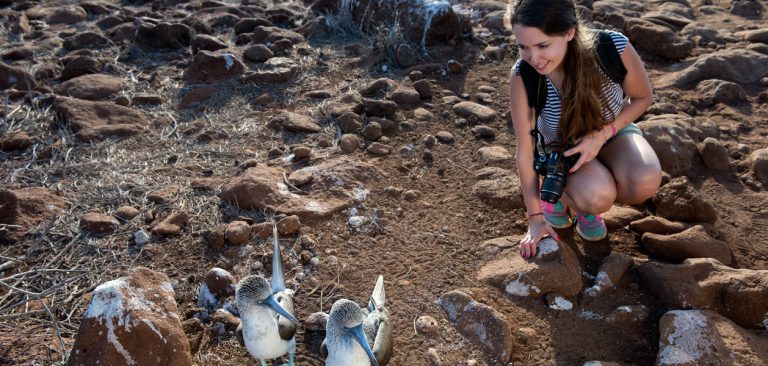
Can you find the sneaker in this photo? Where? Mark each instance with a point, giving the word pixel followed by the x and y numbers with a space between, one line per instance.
pixel 556 214
pixel 591 227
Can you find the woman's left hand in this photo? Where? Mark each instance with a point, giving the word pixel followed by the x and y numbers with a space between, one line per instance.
pixel 589 146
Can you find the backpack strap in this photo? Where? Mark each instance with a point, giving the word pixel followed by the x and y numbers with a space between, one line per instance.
pixel 535 86
pixel 609 59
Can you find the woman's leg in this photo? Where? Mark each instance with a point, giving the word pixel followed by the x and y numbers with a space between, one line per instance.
pixel 591 189
pixel 634 166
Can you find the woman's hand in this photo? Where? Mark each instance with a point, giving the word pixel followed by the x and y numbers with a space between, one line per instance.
pixel 589 146
pixel 538 228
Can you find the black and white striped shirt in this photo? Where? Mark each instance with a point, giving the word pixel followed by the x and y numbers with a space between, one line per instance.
pixel 549 119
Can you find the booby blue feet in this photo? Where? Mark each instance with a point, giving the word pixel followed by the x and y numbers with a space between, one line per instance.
pixel 263 363
pixel 290 360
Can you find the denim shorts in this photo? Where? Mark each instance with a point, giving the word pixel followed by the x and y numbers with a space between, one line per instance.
pixel 630 128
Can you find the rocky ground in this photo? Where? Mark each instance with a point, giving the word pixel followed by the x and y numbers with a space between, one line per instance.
pixel 146 148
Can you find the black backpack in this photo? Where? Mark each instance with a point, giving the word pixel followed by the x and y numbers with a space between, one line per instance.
pixel 608 58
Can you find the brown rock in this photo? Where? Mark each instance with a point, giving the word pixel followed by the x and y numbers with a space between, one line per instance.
pixel 172 224
pixel 349 143
pixel 238 232
pixel 226 318
pixel 714 154
pixel 703 337
pixel 619 217
pixel 132 320
pixel 670 137
pixel 15 141
pixel 691 243
pixel 658 225
pixel 217 286
pixel 207 43
pixel 86 40
pixel 301 152
pixel 163 195
pixel 499 188
pixel 658 40
pixel 215 239
pixel 678 200
pixel 759 165
pixel 474 110
pixel 67 15
pixel 91 87
pixel 481 325
pixel 198 96
pixel 611 271
pixel 495 155
pixel 332 188
pixel 704 283
pixel 93 121
pixel 13 77
pixel 483 131
pixel 372 131
pixel 276 70
pixel 258 53
pixel 262 230
pixel 300 177
pixel 378 148
pixel 423 88
pixel 97 223
pixel 405 95
pixel 298 123
pixel 163 35
pixel 427 325
pixel 554 269
pixel 289 225
pixel 9 207
pixel 208 67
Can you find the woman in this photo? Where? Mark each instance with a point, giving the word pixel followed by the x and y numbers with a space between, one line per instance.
pixel 585 113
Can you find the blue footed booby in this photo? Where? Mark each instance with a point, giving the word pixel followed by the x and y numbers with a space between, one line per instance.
pixel 358 336
pixel 266 312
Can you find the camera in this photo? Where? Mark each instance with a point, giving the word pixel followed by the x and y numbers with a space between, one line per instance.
pixel 554 167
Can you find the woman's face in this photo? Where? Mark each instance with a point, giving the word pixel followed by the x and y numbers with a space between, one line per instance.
pixel 544 52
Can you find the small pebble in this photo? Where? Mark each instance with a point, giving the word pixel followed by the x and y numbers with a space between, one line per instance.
pixel 434 358
pixel 426 325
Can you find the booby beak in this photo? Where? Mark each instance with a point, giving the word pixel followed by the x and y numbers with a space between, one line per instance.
pixel 274 305
pixel 360 338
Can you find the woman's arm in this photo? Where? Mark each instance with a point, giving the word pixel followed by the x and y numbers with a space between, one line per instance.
pixel 529 181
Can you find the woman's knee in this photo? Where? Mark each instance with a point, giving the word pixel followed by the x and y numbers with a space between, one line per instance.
pixel 639 185
pixel 593 199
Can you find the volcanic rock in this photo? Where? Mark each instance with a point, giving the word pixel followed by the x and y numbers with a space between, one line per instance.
pixel 703 337
pixel 678 200
pixel 704 283
pixel 93 121
pixel 91 87
pixel 97 223
pixel 481 325
pixel 691 243
pixel 208 67
pixel 132 320
pixel 554 269
pixel 499 188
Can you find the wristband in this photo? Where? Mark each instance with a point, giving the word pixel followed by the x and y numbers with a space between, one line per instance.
pixel 535 214
pixel 613 129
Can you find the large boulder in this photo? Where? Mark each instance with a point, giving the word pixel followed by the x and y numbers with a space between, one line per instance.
pixel 554 269
pixel 739 65
pixel 481 325
pixel 670 137
pixel 209 67
pixel 14 77
pixel 94 121
pixel 163 35
pixel 498 188
pixel 704 283
pixel 703 337
pixel 694 242
pixel 132 320
pixel 659 40
pixel 335 185
pixel 678 200
pixel 91 87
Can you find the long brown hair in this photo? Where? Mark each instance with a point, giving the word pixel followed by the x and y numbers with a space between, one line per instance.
pixel 581 103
